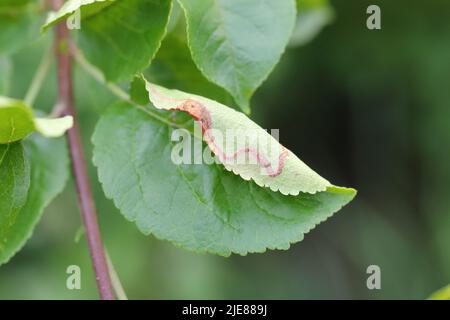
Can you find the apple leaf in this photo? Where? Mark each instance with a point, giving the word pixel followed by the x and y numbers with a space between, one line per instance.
pixel 14 185
pixel 48 178
pixel 236 43
pixel 119 37
pixel 203 208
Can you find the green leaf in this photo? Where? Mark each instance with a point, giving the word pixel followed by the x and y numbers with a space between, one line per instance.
pixel 119 37
pixel 87 9
pixel 236 43
pixel 14 185
pixel 16 120
pixel 313 16
pixel 48 179
pixel 18 24
pixel 199 207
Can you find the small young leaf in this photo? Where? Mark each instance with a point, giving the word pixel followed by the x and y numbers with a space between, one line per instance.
pixel 199 207
pixel 274 166
pixel 49 173
pixel 14 185
pixel 236 43
pixel 16 120
pixel 119 37
pixel 53 128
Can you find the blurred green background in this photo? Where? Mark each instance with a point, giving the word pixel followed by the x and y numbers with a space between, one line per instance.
pixel 367 109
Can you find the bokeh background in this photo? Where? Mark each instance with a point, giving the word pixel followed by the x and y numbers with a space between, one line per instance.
pixel 367 109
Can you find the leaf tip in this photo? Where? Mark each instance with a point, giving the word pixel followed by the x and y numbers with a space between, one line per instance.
pixel 53 128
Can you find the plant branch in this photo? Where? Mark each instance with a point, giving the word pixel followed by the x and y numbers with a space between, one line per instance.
pixel 87 206
pixel 39 78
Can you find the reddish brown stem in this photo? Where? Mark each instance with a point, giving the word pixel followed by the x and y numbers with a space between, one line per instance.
pixel 87 206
